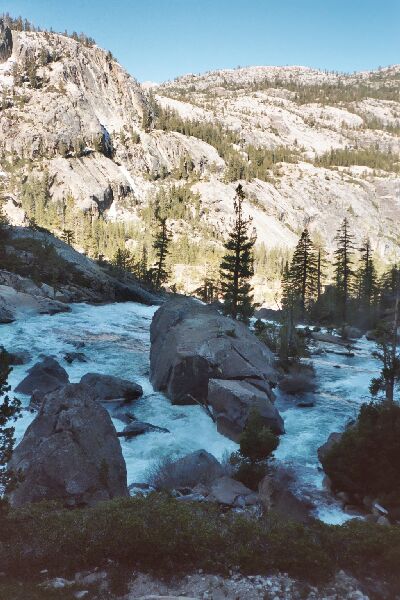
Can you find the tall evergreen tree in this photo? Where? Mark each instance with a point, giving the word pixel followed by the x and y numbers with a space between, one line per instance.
pixel 388 354
pixel 237 265
pixel 367 290
pixel 9 411
pixel 344 272
pixel 303 274
pixel 3 227
pixel 161 247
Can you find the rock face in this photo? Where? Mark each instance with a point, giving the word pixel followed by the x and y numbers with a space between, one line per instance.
pixel 95 135
pixel 109 389
pixel 197 355
pixel 45 376
pixel 84 280
pixel 70 452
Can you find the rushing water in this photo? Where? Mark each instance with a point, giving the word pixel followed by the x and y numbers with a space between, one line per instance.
pixel 116 342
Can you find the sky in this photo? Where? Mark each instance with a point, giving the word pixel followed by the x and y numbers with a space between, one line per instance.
pixel 157 40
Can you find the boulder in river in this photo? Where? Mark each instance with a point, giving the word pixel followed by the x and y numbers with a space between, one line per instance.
pixel 70 357
pixel 333 438
pixel 231 402
pixel 70 452
pixel 109 389
pixel 194 468
pixel 135 428
pixel 193 344
pixel 45 376
pixel 6 316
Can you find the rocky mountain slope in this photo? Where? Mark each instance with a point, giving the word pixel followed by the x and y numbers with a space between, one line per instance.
pixel 70 113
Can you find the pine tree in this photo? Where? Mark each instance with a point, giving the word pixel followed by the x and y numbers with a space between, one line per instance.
pixel 161 247
pixel 303 274
pixel 237 265
pixel 367 291
pixel 344 272
pixel 122 259
pixel 3 227
pixel 387 353
pixel 68 236
pixel 9 411
pixel 321 268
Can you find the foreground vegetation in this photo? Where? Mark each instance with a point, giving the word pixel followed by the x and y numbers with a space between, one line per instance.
pixel 162 535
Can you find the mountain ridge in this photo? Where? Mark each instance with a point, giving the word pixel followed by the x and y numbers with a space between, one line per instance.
pixel 107 153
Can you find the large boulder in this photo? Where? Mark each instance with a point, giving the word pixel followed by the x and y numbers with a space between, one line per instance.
pixel 199 467
pixel 70 452
pixel 192 344
pixel 109 389
pixel 6 316
pixel 45 376
pixel 231 402
pixel 323 450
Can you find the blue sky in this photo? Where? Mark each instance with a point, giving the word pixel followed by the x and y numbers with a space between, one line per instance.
pixel 160 39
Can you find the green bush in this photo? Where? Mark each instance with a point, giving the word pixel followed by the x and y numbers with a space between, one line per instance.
pixel 366 461
pixel 256 445
pixel 257 442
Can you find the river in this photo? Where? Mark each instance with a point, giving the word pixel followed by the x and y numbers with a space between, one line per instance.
pixel 116 341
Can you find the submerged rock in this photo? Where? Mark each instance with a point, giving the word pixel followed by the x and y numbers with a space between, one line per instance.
pixel 45 376
pixel 138 428
pixel 109 389
pixel 70 357
pixel 70 452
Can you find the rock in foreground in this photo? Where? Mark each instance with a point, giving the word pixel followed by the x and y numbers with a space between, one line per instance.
pixel 199 356
pixel 70 452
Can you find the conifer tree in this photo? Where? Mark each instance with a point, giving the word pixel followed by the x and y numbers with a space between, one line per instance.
pixel 237 265
pixel 3 227
pixel 68 236
pixel 387 353
pixel 303 274
pixel 344 272
pixel 367 281
pixel 161 248
pixel 9 411
pixel 321 269
pixel 122 259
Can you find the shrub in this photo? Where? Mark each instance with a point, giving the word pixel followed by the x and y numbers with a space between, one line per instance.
pixel 366 460
pixel 162 535
pixel 256 443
